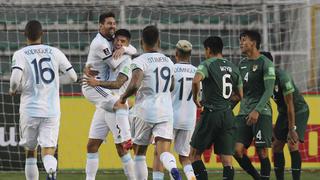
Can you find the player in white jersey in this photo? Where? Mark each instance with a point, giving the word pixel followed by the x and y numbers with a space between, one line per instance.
pixel 152 79
pixel 35 72
pixel 184 110
pixel 118 81
pixel 100 54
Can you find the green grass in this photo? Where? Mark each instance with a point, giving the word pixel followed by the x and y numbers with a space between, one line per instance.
pixel 118 175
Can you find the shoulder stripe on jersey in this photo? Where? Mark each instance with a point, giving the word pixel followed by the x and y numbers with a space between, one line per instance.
pixel 100 91
pixel 16 67
pixel 107 57
pixel 69 68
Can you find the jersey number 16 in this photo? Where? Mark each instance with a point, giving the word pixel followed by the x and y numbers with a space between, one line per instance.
pixel 45 74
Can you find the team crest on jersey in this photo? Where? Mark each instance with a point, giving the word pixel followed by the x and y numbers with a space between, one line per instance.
pixel 276 88
pixel 107 52
pixel 254 67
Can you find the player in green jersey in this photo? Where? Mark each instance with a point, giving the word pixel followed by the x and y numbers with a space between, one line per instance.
pixel 254 121
pixel 221 81
pixel 291 123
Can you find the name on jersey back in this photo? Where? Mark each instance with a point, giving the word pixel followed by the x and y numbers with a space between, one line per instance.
pixel 226 68
pixel 38 51
pixel 157 59
pixel 185 69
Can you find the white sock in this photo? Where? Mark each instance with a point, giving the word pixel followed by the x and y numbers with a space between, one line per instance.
pixel 188 171
pixel 49 163
pixel 31 169
pixel 168 160
pixel 140 167
pixel 128 166
pixel 122 120
pixel 92 165
pixel 157 175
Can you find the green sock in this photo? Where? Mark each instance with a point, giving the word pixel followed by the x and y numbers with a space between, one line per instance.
pixel 228 172
pixel 279 164
pixel 295 165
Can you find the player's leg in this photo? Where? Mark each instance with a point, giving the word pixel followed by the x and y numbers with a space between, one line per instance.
pixel 28 139
pixel 182 147
pixel 157 167
pixel 163 133
pixel 263 141
pixel 243 140
pixel 280 132
pixel 97 133
pixel 142 136
pixel 198 166
pixel 301 123
pixel 48 139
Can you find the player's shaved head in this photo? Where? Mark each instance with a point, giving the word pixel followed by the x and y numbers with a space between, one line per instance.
pixel 214 43
pixel 150 35
pixel 33 30
pixel 253 36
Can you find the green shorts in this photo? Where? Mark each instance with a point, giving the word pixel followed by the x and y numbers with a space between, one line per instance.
pixel 281 127
pixel 215 127
pixel 261 132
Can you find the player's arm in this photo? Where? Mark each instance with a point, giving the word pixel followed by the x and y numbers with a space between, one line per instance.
pixel 121 79
pixel 16 75
pixel 237 92
pixel 268 81
pixel 196 88
pixel 287 91
pixel 68 73
pixel 135 83
pixel 130 50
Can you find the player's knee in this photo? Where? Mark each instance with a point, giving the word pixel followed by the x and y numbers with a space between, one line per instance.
pixel 184 160
pixel 239 151
pixel 262 153
pixel 93 146
pixel 277 146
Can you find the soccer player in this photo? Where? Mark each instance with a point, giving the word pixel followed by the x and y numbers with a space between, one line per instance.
pixel 254 121
pixel 99 59
pixel 35 72
pixel 152 77
pixel 291 122
pixel 184 110
pixel 220 81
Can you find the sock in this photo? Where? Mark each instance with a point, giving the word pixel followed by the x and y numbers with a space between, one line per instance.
pixel 31 169
pixel 168 160
pixel 200 170
pixel 246 165
pixel 188 171
pixel 122 122
pixel 49 163
pixel 157 175
pixel 140 168
pixel 128 166
pixel 295 165
pixel 279 164
pixel 92 165
pixel 228 172
pixel 265 168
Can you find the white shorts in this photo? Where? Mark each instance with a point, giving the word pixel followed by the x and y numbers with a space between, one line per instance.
pixel 103 122
pixel 142 132
pixel 100 97
pixel 182 140
pixel 38 130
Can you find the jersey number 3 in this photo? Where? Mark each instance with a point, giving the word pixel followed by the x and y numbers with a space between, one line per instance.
pixel 46 74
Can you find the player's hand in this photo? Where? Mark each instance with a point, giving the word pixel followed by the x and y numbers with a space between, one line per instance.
pixel 118 53
pixel 12 93
pixel 122 99
pixel 90 81
pixel 197 102
pixel 88 71
pixel 292 137
pixel 252 118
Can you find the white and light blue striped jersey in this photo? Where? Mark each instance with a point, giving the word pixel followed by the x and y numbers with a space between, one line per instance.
pixel 99 53
pixel 41 65
pixel 153 99
pixel 184 109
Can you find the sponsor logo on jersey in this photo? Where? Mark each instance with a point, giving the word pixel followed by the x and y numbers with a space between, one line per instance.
pixel 271 71
pixel 254 67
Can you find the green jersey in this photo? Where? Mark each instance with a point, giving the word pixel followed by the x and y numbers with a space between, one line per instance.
pixel 221 77
pixel 258 78
pixel 284 85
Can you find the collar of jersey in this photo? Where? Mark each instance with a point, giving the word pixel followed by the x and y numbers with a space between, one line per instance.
pixel 109 39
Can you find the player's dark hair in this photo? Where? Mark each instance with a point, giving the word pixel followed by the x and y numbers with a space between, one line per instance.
pixel 253 36
pixel 123 32
pixel 267 54
pixel 150 35
pixel 214 43
pixel 33 30
pixel 103 16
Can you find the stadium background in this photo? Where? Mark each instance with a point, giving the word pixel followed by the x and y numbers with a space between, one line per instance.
pixel 290 30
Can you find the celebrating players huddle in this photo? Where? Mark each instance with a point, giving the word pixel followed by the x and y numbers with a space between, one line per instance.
pixel 167 96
